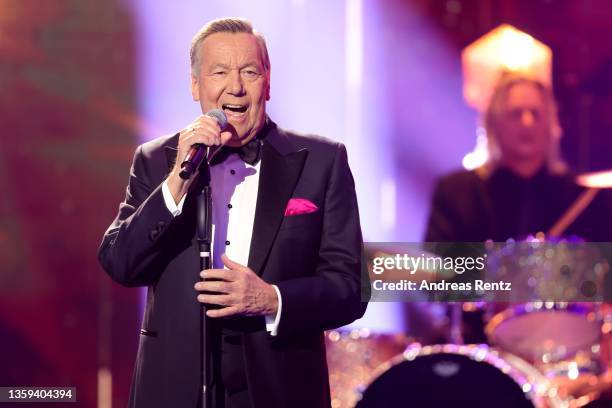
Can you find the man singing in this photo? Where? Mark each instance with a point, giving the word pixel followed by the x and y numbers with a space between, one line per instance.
pixel 287 245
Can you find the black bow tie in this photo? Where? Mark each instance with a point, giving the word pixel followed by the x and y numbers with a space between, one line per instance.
pixel 250 153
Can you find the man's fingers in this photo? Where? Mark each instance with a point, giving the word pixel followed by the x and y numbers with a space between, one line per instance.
pixel 221 300
pixel 225 137
pixel 207 137
pixel 202 130
pixel 208 121
pixel 224 274
pixel 224 312
pixel 231 264
pixel 214 286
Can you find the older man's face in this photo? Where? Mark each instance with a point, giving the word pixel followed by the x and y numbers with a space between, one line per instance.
pixel 523 131
pixel 232 77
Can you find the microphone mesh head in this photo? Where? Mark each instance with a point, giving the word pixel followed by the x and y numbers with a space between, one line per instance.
pixel 220 116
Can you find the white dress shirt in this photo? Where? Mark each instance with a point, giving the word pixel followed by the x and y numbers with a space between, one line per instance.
pixel 234 185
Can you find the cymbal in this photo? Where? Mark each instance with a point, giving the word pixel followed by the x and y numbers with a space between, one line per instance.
pixel 597 179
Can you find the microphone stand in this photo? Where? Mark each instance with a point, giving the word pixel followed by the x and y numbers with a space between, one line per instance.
pixel 208 327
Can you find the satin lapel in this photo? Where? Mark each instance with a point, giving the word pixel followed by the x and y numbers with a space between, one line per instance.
pixel 278 178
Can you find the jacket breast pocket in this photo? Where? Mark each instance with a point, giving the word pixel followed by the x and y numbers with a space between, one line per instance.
pixel 310 220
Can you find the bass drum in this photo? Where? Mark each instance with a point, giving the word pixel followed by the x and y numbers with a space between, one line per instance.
pixel 352 358
pixel 458 376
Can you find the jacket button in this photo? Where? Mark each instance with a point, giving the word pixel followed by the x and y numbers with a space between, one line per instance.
pixel 153 235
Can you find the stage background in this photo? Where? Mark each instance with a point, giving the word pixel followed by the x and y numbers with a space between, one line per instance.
pixel 83 82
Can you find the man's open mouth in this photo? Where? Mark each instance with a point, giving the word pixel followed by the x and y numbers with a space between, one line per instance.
pixel 235 108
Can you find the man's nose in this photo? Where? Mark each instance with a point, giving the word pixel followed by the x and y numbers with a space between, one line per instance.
pixel 527 118
pixel 236 85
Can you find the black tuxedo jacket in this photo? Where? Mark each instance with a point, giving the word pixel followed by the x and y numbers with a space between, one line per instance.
pixel 315 260
pixel 469 206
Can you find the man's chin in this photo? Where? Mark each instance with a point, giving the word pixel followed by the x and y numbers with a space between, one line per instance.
pixel 533 154
pixel 239 140
pixel 528 156
pixel 529 150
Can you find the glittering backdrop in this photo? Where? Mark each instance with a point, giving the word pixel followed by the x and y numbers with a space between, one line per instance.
pixel 82 82
pixel 68 108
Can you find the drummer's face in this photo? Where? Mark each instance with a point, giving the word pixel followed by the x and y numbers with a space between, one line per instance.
pixel 523 128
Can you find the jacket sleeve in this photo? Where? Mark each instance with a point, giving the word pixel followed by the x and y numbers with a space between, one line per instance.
pixel 332 297
pixel 130 249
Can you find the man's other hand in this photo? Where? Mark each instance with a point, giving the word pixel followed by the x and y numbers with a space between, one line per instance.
pixel 238 290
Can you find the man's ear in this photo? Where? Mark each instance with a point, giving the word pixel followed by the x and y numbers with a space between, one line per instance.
pixel 195 90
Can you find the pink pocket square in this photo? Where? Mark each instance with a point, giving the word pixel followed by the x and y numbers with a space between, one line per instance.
pixel 297 206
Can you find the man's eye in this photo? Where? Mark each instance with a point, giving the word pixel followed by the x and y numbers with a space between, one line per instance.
pixel 218 73
pixel 250 73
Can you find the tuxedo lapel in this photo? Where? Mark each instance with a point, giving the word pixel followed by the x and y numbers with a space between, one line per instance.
pixel 281 167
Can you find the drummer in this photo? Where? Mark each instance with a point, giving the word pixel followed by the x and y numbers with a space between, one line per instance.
pixel 525 186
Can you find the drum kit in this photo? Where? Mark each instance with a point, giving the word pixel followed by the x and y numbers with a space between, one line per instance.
pixel 538 354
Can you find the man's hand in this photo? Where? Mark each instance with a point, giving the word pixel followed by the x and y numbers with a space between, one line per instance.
pixel 241 291
pixel 204 130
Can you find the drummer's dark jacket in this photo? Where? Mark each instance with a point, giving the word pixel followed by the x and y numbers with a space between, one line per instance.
pixel 315 259
pixel 474 206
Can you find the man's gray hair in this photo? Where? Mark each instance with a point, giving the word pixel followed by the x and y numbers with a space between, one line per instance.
pixel 225 25
pixel 495 110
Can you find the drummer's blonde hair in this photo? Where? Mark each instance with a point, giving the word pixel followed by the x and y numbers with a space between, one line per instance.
pixel 497 104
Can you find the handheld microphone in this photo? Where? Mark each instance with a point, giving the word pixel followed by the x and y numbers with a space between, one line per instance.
pixel 199 151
